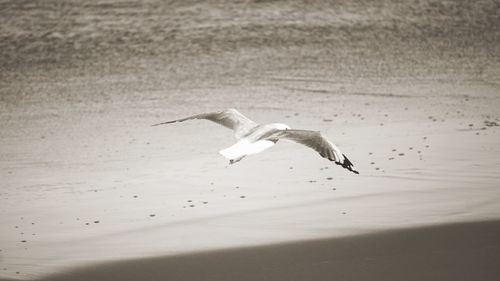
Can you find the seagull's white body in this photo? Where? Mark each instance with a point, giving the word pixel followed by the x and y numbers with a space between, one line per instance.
pixel 254 138
pixel 248 146
pixel 244 147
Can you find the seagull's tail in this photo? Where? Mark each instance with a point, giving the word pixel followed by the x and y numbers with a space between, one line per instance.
pixel 347 164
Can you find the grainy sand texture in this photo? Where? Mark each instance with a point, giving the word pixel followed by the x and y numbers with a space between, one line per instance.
pixel 410 92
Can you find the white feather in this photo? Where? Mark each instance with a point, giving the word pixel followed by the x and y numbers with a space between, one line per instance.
pixel 244 147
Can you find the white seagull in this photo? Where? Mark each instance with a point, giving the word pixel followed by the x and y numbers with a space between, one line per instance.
pixel 254 138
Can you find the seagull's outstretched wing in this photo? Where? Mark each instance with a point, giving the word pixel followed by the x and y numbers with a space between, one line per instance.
pixel 229 118
pixel 317 142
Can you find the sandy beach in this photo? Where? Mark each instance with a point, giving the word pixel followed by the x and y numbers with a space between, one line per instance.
pixel 90 191
pixel 467 251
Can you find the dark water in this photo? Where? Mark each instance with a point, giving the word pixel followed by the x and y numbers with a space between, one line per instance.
pixel 214 38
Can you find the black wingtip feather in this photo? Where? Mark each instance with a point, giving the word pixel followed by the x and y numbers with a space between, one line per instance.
pixel 347 164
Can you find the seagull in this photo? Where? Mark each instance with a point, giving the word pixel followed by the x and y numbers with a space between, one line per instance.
pixel 254 138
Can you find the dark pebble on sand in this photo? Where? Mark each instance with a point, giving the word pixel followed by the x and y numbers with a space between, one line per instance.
pixel 135 196
pixel 391 158
pixel 190 200
pixel 24 241
pixel 401 154
pixel 291 168
pixel 96 221
pixel 205 202
pixel 377 168
pixel 192 206
pixel 329 178
pixel 410 148
pixel 86 223
pixel 372 163
pixel 370 153
pixel 152 215
pixel 311 181
pixel 242 196
pixel 343 213
pixel 393 149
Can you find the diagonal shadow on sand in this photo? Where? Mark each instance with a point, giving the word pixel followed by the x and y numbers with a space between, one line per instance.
pixel 462 251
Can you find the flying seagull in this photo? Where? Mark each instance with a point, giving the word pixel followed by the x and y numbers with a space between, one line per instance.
pixel 254 138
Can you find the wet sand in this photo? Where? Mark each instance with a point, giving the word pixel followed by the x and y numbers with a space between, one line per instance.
pixel 409 92
pixel 465 251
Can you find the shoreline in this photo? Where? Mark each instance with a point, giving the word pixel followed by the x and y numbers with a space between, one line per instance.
pixel 461 251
